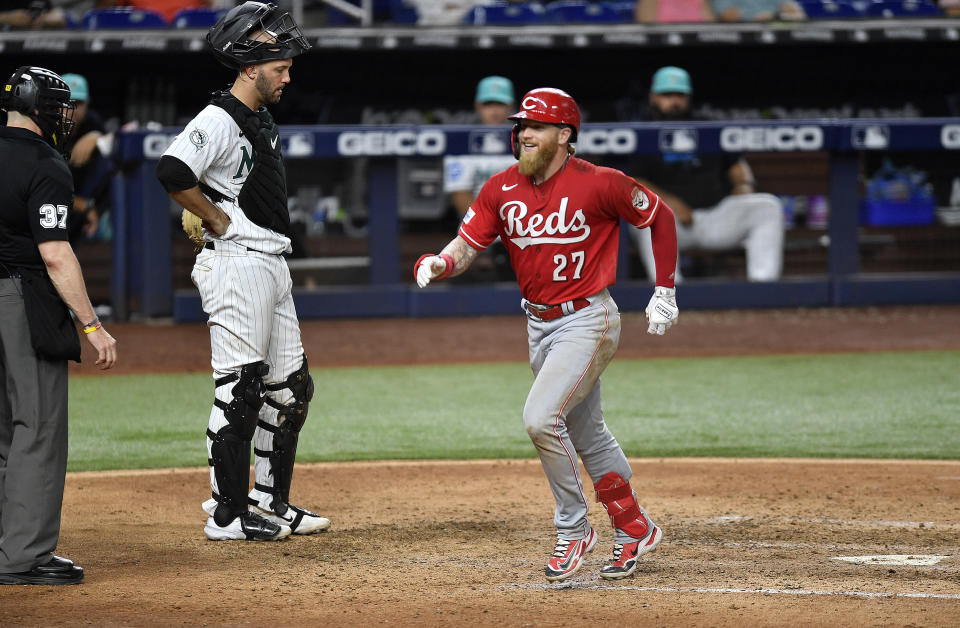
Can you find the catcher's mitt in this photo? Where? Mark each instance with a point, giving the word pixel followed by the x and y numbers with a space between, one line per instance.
pixel 193 227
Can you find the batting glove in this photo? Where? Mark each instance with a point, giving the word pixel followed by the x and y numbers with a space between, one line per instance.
pixel 430 267
pixel 662 311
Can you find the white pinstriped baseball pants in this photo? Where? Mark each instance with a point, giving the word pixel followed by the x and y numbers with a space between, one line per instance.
pixel 247 296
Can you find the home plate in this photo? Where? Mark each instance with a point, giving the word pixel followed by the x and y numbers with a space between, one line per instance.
pixel 892 559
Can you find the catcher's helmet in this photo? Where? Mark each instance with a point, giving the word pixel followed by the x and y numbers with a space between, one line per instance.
pixel 230 37
pixel 44 97
pixel 550 105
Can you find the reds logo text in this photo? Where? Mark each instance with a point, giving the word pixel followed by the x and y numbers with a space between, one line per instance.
pixel 553 228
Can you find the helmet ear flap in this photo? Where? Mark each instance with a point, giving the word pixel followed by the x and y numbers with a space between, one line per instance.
pixel 515 140
pixel 20 95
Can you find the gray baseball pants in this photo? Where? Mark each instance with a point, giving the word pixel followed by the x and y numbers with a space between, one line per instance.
pixel 563 413
pixel 33 441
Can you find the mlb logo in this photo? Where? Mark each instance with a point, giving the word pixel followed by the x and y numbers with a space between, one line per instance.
pixel 488 142
pixel 678 140
pixel 872 137
pixel 297 145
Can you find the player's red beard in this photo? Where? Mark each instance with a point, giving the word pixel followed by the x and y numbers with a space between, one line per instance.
pixel 536 161
pixel 268 94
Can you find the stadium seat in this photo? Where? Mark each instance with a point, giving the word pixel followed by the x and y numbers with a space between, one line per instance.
pixel 624 7
pixel 902 8
pixel 580 11
pixel 832 9
pixel 196 18
pixel 122 17
pixel 505 13
pixel 402 12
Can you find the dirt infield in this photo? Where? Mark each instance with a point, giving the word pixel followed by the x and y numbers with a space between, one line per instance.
pixel 747 542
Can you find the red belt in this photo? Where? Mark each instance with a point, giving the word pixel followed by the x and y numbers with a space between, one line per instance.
pixel 556 311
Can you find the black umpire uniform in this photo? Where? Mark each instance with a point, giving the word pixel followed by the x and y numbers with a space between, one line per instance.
pixel 36 193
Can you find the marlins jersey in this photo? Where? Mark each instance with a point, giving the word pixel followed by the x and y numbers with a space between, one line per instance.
pixel 221 157
pixel 562 235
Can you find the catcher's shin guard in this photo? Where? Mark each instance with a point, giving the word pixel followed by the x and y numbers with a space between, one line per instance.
pixel 286 434
pixel 621 503
pixel 230 447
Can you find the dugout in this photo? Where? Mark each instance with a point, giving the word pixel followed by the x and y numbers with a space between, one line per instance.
pixel 855 75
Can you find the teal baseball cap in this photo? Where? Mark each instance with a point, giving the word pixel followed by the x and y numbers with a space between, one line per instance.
pixel 78 86
pixel 671 80
pixel 495 89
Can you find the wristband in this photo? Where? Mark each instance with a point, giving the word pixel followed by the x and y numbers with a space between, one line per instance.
pixel 92 326
pixel 450 265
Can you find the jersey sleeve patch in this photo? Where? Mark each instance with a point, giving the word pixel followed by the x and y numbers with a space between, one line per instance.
pixel 640 200
pixel 199 138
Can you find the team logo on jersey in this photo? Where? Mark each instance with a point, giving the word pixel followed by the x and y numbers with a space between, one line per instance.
pixel 640 200
pixel 553 228
pixel 199 138
pixel 246 163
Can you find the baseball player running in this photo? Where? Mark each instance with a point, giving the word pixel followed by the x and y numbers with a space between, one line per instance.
pixel 559 218
pixel 226 168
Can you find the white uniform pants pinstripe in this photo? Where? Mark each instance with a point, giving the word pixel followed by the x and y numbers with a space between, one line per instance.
pixel 247 296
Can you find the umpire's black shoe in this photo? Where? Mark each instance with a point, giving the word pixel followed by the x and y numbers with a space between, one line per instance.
pixel 248 526
pixel 56 571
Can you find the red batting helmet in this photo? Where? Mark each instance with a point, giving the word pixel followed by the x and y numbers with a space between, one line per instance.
pixel 550 105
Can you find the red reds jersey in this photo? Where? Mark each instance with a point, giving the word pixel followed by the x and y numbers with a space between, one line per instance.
pixel 562 235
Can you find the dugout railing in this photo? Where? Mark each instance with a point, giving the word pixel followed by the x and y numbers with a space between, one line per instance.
pixel 141 282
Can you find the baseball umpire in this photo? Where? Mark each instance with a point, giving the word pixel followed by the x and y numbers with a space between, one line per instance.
pixel 226 170
pixel 559 218
pixel 39 279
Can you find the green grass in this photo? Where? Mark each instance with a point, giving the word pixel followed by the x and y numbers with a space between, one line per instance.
pixel 879 405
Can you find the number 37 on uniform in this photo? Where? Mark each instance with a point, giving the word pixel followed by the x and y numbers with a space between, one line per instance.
pixel 53 216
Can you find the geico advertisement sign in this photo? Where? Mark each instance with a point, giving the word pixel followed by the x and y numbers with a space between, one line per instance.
pixel 950 136
pixel 380 143
pixel 606 141
pixel 771 138
pixel 155 143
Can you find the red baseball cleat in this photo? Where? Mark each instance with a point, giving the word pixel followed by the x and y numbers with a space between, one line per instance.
pixel 568 557
pixel 627 555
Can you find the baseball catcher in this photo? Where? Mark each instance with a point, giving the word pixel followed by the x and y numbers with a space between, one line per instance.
pixel 226 170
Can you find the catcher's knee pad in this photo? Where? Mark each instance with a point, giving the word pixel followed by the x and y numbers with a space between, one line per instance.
pixel 230 445
pixel 248 395
pixel 621 503
pixel 286 434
